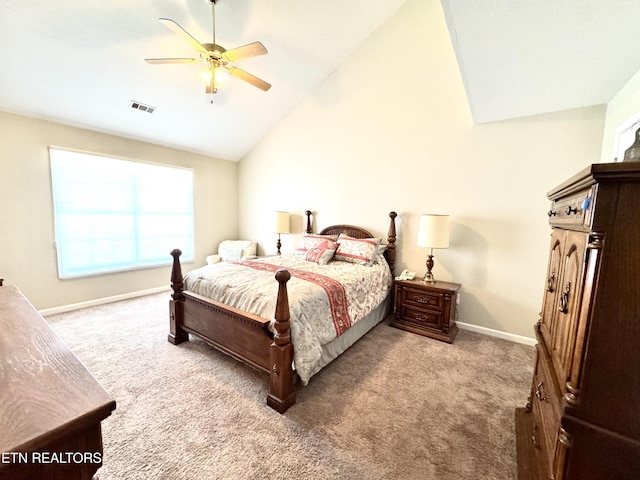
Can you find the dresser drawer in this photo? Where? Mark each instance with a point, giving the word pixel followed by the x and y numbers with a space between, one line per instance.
pixel 545 401
pixel 574 210
pixel 422 299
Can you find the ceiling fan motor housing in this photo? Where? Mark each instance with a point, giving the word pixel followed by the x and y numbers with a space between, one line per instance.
pixel 214 50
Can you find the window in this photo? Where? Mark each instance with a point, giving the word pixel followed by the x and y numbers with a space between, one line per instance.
pixel 114 215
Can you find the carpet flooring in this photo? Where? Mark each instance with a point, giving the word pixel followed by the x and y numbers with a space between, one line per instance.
pixel 394 406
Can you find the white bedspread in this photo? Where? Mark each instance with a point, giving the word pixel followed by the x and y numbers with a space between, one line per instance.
pixel 312 325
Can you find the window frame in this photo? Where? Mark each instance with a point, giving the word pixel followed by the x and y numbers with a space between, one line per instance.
pixel 178 205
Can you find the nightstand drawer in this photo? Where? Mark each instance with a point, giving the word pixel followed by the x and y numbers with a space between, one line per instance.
pixel 423 299
pixel 424 318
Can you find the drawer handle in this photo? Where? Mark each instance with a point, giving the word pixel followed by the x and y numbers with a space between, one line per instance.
pixel 571 210
pixel 551 280
pixel 422 300
pixel 564 298
pixel 540 393
pixel 565 438
pixel 552 213
pixel 421 318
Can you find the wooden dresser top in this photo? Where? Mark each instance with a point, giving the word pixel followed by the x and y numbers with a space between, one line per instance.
pixel 45 391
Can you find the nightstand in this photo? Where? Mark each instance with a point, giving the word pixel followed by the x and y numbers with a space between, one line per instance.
pixel 427 309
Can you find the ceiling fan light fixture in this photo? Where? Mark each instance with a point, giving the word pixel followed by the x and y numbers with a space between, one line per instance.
pixel 220 75
pixel 218 58
pixel 206 76
pixel 217 76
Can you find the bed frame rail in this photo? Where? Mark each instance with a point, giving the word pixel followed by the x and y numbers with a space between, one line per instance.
pixel 241 335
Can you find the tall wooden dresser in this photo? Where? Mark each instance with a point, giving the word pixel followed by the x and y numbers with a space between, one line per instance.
pixel 582 419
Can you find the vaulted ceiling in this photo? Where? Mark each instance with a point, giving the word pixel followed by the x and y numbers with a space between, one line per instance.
pixel 526 57
pixel 82 63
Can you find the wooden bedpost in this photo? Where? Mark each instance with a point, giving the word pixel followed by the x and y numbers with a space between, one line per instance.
pixel 281 391
pixel 176 333
pixel 308 229
pixel 391 241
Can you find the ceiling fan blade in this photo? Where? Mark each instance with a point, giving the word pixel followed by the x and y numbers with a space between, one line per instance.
pixel 156 61
pixel 247 77
pixel 174 27
pixel 251 50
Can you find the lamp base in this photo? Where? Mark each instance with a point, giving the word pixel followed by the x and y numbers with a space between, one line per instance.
pixel 428 277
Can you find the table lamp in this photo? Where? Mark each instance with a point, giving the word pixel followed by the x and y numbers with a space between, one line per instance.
pixel 433 232
pixel 280 225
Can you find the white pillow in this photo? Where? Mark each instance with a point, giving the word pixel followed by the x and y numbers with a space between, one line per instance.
pixel 361 251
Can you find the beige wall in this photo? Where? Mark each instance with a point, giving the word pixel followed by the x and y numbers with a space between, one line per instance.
pixel 27 253
pixel 391 130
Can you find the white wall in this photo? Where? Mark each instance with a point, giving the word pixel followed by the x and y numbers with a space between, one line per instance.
pixel 391 130
pixel 27 254
pixel 623 106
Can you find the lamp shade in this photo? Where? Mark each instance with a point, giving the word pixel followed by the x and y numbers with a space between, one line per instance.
pixel 433 231
pixel 281 222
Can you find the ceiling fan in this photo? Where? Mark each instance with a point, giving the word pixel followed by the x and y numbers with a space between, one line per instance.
pixel 217 58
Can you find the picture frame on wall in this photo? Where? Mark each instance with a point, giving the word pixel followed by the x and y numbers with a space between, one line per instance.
pixel 625 136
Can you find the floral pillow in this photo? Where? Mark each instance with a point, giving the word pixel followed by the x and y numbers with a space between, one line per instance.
pixel 361 251
pixel 313 240
pixel 321 254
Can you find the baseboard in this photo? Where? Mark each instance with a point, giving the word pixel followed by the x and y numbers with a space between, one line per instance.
pixel 497 333
pixel 101 301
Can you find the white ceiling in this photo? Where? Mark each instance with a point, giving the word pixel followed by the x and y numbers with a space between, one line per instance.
pixel 82 63
pixel 526 57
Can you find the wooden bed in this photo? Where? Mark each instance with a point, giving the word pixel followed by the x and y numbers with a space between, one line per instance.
pixel 247 337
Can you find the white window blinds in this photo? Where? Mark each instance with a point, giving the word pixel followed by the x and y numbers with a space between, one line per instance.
pixel 113 214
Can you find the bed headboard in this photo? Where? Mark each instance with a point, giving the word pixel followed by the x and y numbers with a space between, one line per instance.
pixel 351 230
pixel 358 232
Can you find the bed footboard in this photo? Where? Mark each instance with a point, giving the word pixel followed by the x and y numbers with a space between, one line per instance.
pixel 176 313
pixel 239 334
pixel 281 392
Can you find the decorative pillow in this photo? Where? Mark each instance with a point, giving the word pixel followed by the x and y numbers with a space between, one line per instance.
pixel 379 256
pixel 311 240
pixel 234 250
pixel 361 251
pixel 321 254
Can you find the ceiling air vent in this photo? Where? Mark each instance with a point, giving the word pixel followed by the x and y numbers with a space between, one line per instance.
pixel 142 107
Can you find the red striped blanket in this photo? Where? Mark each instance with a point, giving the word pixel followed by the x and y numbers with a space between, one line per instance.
pixel 334 290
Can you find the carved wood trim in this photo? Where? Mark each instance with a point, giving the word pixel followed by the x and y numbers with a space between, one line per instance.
pixel 309 228
pixel 227 311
